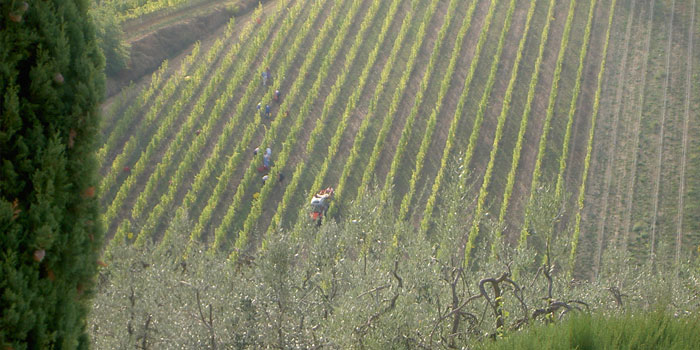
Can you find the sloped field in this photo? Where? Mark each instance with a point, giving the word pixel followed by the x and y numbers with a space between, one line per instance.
pixel 596 99
pixel 642 195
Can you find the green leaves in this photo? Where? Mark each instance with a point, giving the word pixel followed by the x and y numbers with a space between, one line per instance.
pixel 430 206
pixel 536 173
pixel 361 133
pixel 51 83
pixel 475 132
pixel 505 108
pixel 524 120
pixel 591 134
pixel 329 103
pixel 352 101
pixel 430 126
pixel 226 225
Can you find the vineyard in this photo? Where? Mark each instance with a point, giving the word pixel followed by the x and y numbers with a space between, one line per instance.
pixel 596 101
pixel 125 10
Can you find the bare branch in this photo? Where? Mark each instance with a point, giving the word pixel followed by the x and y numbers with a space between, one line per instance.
pixel 362 330
pixel 374 290
pixel 617 295
pixel 208 324
pixel 199 307
pixel 554 307
pixel 519 294
pixel 144 338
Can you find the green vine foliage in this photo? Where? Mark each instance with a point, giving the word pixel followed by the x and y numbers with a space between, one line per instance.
pixel 51 81
pixel 325 287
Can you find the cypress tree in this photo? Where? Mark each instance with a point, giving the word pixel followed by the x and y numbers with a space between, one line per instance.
pixel 51 81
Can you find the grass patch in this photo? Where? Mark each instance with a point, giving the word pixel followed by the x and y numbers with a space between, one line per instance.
pixel 655 330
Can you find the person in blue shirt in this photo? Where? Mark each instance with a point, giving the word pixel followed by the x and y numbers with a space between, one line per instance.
pixel 266 158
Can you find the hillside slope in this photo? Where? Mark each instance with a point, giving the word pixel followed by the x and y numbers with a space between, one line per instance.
pixel 595 102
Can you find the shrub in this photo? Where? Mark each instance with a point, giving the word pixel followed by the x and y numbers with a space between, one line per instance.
pixel 352 285
pixel 652 330
pixel 51 81
pixel 110 37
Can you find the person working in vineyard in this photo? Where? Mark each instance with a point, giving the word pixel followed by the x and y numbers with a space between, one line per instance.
pixel 320 204
pixel 266 161
pixel 266 158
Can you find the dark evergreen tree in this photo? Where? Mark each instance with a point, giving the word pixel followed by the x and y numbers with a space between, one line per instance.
pixel 51 81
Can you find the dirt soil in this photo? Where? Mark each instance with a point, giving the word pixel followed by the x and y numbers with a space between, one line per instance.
pixel 171 35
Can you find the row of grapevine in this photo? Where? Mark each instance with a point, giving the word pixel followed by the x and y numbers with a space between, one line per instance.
pixel 127 117
pixel 505 108
pixel 629 190
pixel 330 101
pixel 121 156
pixel 127 122
pixel 196 147
pixel 398 96
pixel 655 231
pixel 389 117
pixel 226 225
pixel 109 118
pixel 483 103
pixel 217 156
pixel 144 125
pixel 132 146
pixel 435 111
pixel 612 150
pixel 193 77
pixel 359 138
pixel 537 172
pixel 486 95
pixel 296 87
pixel 350 106
pixel 184 139
pixel 233 161
pixel 515 161
pixel 139 130
pixel 630 127
pixel 594 116
pixel 451 136
pixel 166 125
pixel 558 192
pixel 243 241
pixel 408 128
pixel 180 103
pixel 662 123
pixel 684 142
pixel 572 105
pixel 118 105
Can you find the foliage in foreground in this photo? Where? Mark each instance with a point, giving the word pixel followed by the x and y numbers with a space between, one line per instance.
pixel 51 80
pixel 365 282
pixel 653 330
